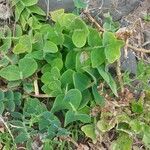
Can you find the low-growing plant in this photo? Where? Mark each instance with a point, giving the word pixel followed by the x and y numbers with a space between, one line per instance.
pixel 51 74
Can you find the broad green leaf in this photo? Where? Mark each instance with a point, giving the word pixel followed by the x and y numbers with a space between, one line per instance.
pixel 55 85
pixel 17 98
pixel 23 22
pixel 18 31
pixel 55 73
pixel 56 37
pixel 70 60
pixel 67 20
pixel 47 77
pixel 146 136
pixel 10 105
pixel 6 40
pixel 22 137
pixel 109 24
pixel 58 62
pixel 34 23
pixel 46 68
pixel 47 120
pixel 79 24
pixel 2 107
pixel 10 73
pixel 50 47
pixel 9 95
pixel 136 126
pixel 86 97
pixel 137 107
pixel 80 4
pixel 97 57
pixel 73 99
pixel 109 80
pixel 81 81
pixel 72 116
pixel 94 38
pixel 2 95
pixel 58 103
pixel 33 106
pixel 68 42
pixel 89 131
pixel 57 14
pixel 29 2
pixel 97 97
pixel 79 38
pixel 27 67
pixel 24 45
pixel 112 47
pixel 18 10
pixel 13 84
pixel 67 78
pixel 36 10
pixel 14 2
pixel 104 126
pixel 82 60
pixel 124 142
pixel 19 48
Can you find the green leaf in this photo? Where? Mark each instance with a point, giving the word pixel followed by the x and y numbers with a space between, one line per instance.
pixel 57 62
pixel 57 14
pixel 94 38
pixel 17 98
pixel 2 107
pixel 81 81
pixel 112 47
pixel 82 60
pixel 72 116
pixel 97 97
pixel 137 107
pixel 86 97
pixel 80 4
pixel 79 38
pixel 18 10
pixel 109 80
pixel 18 31
pixel 33 106
pixel 50 47
pixel 36 10
pixel 67 20
pixel 2 95
pixel 10 73
pixel 136 126
pixel 70 60
pixel 104 126
pixel 58 103
pixel 47 77
pixel 109 24
pixel 73 99
pixel 29 2
pixel 79 24
pixel 10 106
pixel 124 142
pixel 97 57
pixel 27 67
pixel 89 131
pixel 24 45
pixel 146 136
pixel 22 137
pixel 67 78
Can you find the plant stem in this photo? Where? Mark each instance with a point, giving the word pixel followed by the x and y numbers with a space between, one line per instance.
pixel 119 75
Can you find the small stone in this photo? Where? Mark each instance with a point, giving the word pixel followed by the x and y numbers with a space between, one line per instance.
pixel 129 63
